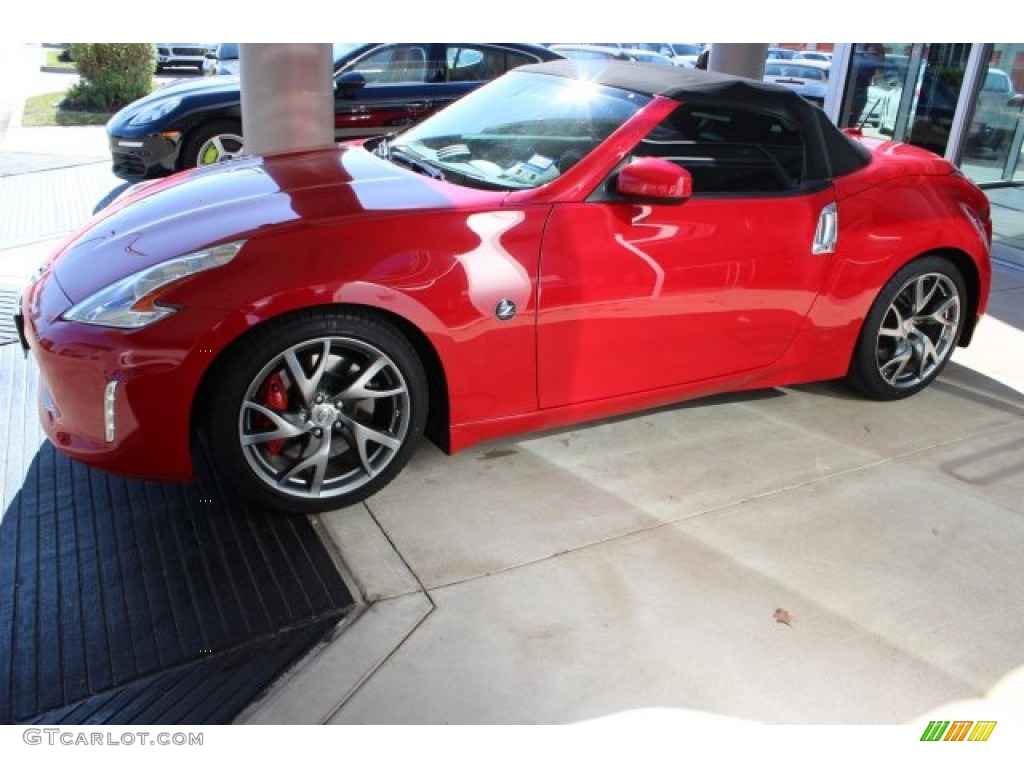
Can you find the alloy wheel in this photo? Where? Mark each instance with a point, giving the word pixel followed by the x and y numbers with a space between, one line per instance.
pixel 918 331
pixel 223 146
pixel 324 417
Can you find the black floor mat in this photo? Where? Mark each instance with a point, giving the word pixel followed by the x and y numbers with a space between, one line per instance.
pixel 129 602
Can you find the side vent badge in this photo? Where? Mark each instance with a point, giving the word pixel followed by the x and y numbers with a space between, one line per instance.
pixel 505 309
pixel 827 233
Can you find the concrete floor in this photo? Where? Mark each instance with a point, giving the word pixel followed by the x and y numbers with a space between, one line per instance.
pixel 793 556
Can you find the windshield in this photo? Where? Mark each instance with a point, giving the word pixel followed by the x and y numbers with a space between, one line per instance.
pixel 342 52
pixel 684 49
pixel 521 131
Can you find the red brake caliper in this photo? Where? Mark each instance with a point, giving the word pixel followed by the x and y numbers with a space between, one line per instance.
pixel 273 395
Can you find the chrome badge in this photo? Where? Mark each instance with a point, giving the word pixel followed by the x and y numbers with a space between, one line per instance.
pixel 505 309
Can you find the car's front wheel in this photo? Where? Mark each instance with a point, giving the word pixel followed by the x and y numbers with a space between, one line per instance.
pixel 315 412
pixel 911 331
pixel 213 143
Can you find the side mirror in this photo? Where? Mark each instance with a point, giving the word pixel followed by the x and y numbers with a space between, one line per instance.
pixel 654 180
pixel 349 82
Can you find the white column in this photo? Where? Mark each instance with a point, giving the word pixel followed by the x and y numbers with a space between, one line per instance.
pixel 974 80
pixel 743 59
pixel 842 60
pixel 287 96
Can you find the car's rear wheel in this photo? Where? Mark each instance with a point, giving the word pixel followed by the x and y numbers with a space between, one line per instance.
pixel 911 331
pixel 213 143
pixel 317 411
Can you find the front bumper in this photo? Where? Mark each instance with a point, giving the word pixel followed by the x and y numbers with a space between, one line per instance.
pixel 180 61
pixel 120 401
pixel 144 157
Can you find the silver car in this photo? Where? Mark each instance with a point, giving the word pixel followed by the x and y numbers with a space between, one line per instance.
pixel 808 80
pixel 223 60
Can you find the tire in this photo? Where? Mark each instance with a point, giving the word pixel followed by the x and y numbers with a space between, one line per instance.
pixel 212 143
pixel 316 411
pixel 911 331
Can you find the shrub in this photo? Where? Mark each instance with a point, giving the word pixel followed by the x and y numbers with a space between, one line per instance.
pixel 111 74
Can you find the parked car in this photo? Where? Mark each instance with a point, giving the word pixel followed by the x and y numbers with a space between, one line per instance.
pixel 823 56
pixel 572 241
pixel 585 51
pixel 682 54
pixel 223 60
pixel 809 81
pixel 182 55
pixel 781 53
pixel 997 112
pixel 379 87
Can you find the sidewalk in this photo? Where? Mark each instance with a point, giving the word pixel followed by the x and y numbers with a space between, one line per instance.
pixel 52 179
pixel 1008 218
pixel 789 556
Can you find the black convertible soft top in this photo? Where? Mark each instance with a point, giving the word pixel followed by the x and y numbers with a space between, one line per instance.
pixel 830 152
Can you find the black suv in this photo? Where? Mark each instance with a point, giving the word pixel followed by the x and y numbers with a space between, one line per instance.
pixel 379 88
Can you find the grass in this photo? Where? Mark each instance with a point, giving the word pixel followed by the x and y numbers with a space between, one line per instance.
pixel 53 60
pixel 45 109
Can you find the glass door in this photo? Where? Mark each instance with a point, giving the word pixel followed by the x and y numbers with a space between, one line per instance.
pixel 992 153
pixel 905 91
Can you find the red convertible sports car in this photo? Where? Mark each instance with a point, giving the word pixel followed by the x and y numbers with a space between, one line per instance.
pixel 574 240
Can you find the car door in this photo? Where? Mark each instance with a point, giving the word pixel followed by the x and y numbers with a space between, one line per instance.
pixel 394 86
pixel 640 297
pixel 386 89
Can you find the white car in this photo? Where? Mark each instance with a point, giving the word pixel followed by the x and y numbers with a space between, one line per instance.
pixel 682 54
pixel 997 112
pixel 182 55
pixel 824 56
pixel 808 80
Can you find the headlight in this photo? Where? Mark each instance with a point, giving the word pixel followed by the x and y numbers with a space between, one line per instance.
pixel 155 111
pixel 132 302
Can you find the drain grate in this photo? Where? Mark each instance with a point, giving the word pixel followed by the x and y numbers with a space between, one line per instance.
pixel 130 602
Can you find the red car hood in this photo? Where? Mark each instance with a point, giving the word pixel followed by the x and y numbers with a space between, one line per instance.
pixel 242 200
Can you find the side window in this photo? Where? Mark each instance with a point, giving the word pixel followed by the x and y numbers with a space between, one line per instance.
pixel 471 63
pixel 393 64
pixel 730 151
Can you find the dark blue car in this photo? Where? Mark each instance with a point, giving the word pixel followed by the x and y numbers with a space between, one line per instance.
pixel 379 88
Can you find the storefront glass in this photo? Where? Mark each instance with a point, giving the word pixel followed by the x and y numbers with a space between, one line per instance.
pixel 993 150
pixel 905 91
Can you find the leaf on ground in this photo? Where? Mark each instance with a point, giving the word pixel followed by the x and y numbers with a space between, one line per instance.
pixel 783 617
